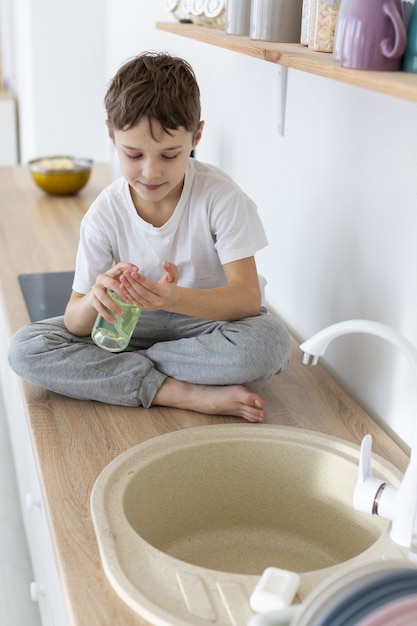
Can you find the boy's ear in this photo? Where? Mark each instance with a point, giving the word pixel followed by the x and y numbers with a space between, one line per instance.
pixel 198 134
pixel 109 130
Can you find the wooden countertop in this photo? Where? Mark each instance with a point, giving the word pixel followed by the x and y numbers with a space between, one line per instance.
pixel 74 440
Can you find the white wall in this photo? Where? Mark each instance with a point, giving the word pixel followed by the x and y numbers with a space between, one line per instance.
pixel 8 132
pixel 55 65
pixel 336 193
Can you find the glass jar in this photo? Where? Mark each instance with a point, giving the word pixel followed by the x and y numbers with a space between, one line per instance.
pixel 323 18
pixel 115 337
pixel 197 11
pixel 305 23
pixel 188 8
pixel 340 27
pixel 215 12
pixel 179 10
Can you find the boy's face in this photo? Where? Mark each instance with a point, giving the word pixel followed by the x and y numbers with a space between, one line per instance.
pixel 154 163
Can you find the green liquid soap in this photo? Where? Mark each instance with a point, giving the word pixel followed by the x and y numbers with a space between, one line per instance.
pixel 115 337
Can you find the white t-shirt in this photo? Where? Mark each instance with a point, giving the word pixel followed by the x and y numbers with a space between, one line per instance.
pixel 214 223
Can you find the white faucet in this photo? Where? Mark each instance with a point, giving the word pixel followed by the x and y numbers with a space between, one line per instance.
pixel 372 495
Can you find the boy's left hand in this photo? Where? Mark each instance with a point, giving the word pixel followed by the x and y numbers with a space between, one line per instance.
pixel 148 294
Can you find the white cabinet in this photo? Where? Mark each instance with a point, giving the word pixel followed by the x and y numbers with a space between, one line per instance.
pixel 45 589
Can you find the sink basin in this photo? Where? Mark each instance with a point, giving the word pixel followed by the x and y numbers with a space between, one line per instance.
pixel 188 521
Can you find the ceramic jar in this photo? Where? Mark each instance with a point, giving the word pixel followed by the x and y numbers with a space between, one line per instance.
pixel 238 17
pixel 276 20
pixel 410 56
pixel 374 35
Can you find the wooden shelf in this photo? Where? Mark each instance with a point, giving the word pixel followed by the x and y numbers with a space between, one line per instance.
pixel 399 84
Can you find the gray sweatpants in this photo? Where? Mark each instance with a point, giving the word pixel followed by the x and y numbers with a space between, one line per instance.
pixel 163 344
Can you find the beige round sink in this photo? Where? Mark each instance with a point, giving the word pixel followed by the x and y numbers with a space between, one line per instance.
pixel 188 521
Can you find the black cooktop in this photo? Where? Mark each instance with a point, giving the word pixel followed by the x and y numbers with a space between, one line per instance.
pixel 46 295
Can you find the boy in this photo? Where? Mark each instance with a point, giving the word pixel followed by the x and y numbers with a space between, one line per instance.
pixel 177 238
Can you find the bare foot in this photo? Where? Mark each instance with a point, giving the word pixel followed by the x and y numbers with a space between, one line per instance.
pixel 235 400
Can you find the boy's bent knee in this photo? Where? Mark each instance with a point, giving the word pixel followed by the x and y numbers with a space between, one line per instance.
pixel 28 343
pixel 273 347
pixel 265 349
pixel 18 349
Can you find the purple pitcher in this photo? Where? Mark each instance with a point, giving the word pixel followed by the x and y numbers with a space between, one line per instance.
pixel 374 35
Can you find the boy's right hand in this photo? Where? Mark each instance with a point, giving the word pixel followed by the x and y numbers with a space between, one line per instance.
pixel 81 310
pixel 110 280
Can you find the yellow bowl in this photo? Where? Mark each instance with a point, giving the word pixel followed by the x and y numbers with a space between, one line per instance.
pixel 60 175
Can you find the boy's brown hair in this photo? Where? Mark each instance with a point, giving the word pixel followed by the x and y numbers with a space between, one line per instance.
pixel 157 86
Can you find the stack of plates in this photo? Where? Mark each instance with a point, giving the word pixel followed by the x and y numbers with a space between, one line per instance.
pixel 379 594
pixel 402 612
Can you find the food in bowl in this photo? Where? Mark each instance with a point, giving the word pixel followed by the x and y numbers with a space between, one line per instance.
pixel 60 175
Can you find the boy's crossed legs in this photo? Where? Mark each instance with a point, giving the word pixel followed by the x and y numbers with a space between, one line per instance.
pixel 174 361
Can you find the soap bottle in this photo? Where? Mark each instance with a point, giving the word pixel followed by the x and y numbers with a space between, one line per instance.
pixel 115 337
